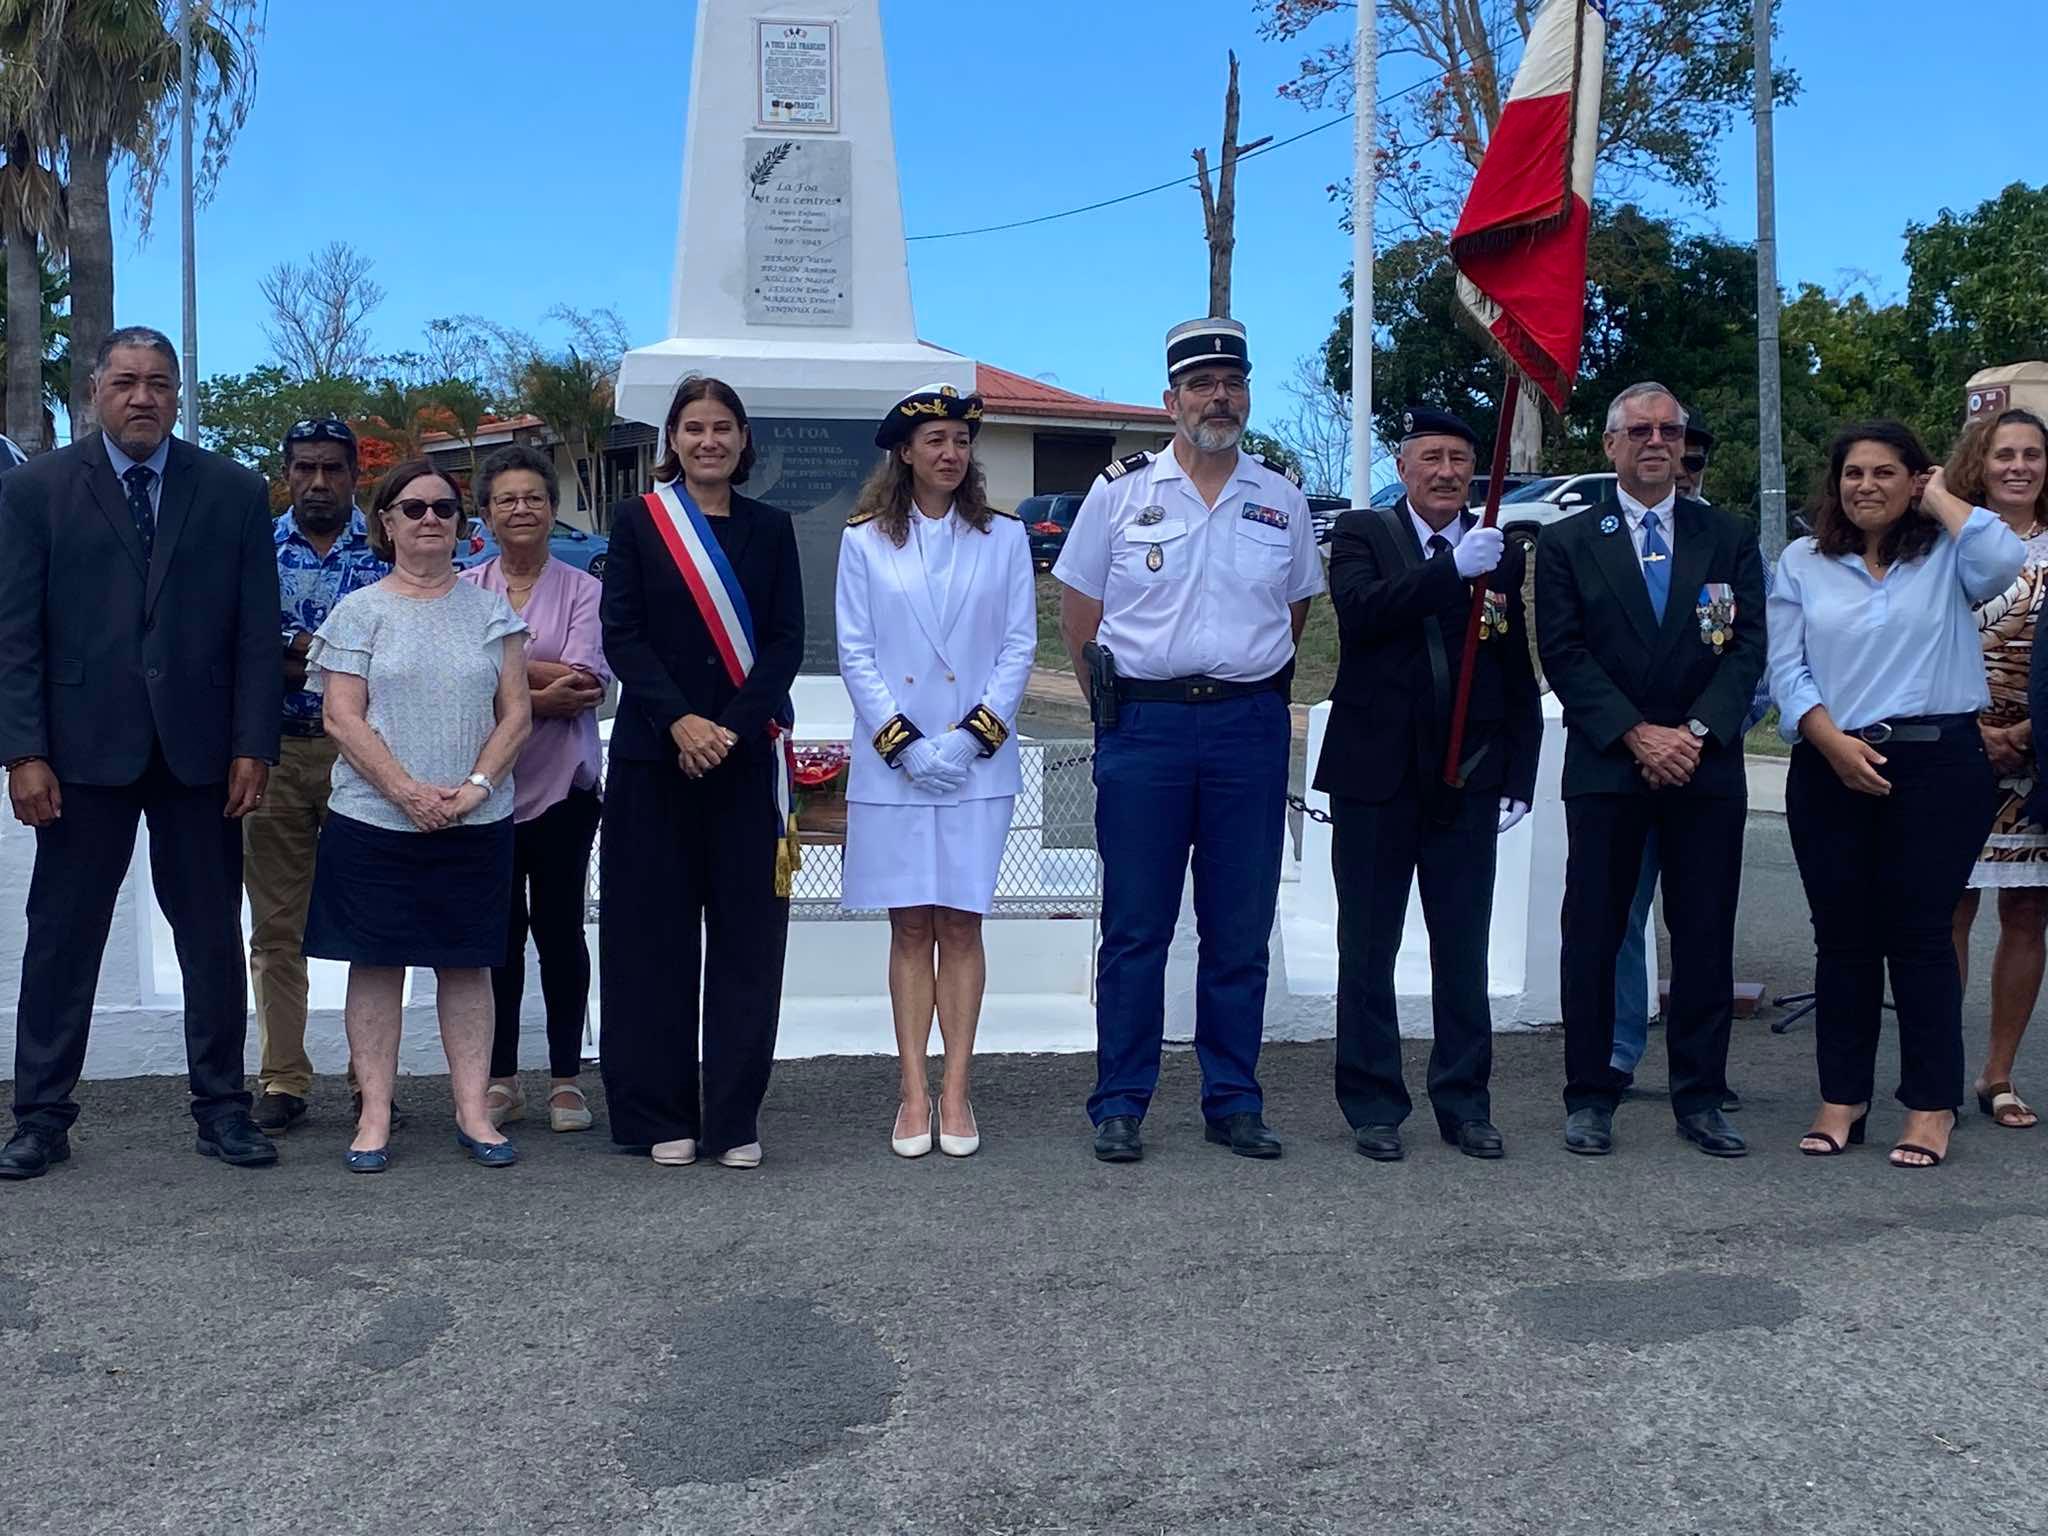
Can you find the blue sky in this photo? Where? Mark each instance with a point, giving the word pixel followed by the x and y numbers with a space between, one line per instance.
pixel 491 160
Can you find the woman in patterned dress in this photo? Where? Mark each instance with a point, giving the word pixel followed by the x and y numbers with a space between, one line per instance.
pixel 2001 462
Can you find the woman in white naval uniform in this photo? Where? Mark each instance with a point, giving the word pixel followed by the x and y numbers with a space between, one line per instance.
pixel 937 624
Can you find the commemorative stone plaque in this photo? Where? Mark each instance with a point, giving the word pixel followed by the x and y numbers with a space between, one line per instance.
pixel 799 228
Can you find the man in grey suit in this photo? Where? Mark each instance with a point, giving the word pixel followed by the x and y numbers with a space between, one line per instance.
pixel 140 678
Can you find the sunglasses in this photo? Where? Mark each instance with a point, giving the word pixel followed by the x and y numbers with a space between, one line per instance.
pixel 1694 463
pixel 1665 431
pixel 326 429
pixel 446 508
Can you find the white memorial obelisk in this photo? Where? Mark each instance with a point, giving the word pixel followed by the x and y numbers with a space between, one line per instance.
pixel 791 279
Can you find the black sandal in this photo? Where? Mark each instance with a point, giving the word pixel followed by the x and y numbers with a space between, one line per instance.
pixel 1834 1147
pixel 1934 1158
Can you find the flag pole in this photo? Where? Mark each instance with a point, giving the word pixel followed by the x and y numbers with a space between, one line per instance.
pixel 1364 190
pixel 1454 747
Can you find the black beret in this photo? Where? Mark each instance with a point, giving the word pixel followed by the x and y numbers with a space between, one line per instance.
pixel 1420 421
pixel 935 402
pixel 1697 435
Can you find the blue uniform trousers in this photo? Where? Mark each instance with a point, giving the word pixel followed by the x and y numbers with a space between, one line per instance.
pixel 1174 780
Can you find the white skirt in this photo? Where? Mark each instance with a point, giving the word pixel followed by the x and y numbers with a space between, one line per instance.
pixel 924 855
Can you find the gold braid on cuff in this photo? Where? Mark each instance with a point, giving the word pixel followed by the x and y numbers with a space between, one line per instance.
pixel 981 723
pixel 895 735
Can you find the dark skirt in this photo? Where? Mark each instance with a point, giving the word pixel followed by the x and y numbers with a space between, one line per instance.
pixel 411 898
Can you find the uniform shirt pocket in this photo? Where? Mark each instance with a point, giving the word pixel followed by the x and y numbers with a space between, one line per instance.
pixel 1260 552
pixel 1150 553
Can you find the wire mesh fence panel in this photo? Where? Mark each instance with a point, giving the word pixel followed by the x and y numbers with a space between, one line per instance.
pixel 1049 867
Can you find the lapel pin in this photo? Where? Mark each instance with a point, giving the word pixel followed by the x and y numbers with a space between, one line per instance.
pixel 1609 523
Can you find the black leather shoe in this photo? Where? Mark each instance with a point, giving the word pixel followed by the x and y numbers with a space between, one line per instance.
pixel 1381 1143
pixel 277 1113
pixel 1731 1101
pixel 30 1152
pixel 1710 1131
pixel 1475 1138
pixel 233 1138
pixel 1589 1132
pixel 1246 1135
pixel 1117 1140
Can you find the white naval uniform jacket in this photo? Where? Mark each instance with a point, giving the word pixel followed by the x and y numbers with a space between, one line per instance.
pixel 898 654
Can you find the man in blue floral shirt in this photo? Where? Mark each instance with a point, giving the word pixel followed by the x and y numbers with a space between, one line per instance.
pixel 323 554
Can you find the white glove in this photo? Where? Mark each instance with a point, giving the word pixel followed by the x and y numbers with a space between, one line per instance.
pixel 1511 811
pixel 1478 552
pixel 928 768
pixel 958 749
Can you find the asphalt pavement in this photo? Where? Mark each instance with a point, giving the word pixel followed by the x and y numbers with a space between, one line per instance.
pixel 1028 1341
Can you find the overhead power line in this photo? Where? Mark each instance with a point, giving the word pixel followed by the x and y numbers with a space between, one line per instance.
pixel 1187 180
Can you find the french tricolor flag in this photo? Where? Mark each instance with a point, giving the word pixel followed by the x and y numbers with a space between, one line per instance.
pixel 1520 244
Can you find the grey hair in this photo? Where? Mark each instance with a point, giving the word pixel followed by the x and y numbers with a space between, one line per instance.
pixel 1639 392
pixel 517 456
pixel 134 336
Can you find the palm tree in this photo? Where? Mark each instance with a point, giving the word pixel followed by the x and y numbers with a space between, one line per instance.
pixel 31 213
pixel 574 395
pixel 54 331
pixel 107 71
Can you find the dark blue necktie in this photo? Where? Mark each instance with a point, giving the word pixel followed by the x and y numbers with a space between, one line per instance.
pixel 139 478
pixel 1437 545
pixel 1656 566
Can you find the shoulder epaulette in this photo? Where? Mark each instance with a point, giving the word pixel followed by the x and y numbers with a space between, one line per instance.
pixel 999 512
pixel 859 518
pixel 1286 472
pixel 1125 465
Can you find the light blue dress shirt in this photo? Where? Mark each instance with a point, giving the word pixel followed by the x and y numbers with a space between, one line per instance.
pixel 156 461
pixel 1875 650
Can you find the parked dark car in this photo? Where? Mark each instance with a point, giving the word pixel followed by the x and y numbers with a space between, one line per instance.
pixel 10 455
pixel 1046 520
pixel 1323 512
pixel 572 546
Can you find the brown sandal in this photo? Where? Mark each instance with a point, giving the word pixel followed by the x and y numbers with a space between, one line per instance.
pixel 2006 1108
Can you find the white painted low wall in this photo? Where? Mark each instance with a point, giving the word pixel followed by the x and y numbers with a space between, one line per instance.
pixel 1041 970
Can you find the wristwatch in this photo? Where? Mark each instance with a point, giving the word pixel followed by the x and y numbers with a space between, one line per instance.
pixel 483 782
pixel 1698 728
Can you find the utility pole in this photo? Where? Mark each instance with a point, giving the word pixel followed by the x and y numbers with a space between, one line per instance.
pixel 1770 447
pixel 185 204
pixel 1219 209
pixel 1364 189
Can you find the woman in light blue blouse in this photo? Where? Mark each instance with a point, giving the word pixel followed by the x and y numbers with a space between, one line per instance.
pixel 1878 674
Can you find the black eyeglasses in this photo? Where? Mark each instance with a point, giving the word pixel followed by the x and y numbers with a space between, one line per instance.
pixel 1694 463
pixel 446 508
pixel 325 429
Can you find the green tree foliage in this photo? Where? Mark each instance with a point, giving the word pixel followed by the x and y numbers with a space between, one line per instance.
pixel 246 415
pixel 1666 304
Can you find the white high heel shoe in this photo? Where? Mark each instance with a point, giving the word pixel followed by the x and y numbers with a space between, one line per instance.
pixel 960 1146
pixel 912 1146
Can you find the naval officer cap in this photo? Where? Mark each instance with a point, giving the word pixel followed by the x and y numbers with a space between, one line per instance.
pixel 1212 343
pixel 1421 421
pixel 935 402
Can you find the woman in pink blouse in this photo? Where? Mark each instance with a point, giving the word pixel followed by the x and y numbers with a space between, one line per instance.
pixel 556 780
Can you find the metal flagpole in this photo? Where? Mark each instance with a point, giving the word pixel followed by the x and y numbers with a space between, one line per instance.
pixel 191 364
pixel 1770 448
pixel 1366 83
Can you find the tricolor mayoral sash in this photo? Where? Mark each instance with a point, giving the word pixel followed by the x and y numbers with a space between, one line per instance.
pixel 723 607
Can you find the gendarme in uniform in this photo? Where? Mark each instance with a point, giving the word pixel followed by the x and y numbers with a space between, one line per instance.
pixel 1198 617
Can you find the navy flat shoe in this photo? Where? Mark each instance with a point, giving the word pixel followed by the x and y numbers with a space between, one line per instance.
pixel 369 1160
pixel 500 1154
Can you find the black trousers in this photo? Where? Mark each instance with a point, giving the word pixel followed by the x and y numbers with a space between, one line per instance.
pixel 1699 841
pixel 1883 875
pixel 195 860
pixel 1377 851
pixel 550 879
pixel 688 864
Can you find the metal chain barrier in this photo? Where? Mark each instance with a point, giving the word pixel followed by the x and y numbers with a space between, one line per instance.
pixel 1301 805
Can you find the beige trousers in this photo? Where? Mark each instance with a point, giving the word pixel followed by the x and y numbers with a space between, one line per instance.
pixel 280 840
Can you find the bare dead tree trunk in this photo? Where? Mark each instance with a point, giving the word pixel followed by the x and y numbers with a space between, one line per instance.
pixel 1219 207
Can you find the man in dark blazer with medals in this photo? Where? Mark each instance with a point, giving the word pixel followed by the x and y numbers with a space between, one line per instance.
pixel 1401 580
pixel 1650 624
pixel 140 679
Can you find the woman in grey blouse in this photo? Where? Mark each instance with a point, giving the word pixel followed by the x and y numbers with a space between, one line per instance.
pixel 423 680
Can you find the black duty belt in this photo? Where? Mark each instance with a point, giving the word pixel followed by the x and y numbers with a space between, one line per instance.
pixel 1195 690
pixel 1916 728
pixel 303 728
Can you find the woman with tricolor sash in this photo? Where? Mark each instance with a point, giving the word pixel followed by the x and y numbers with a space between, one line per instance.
pixel 704 628
pixel 937 618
